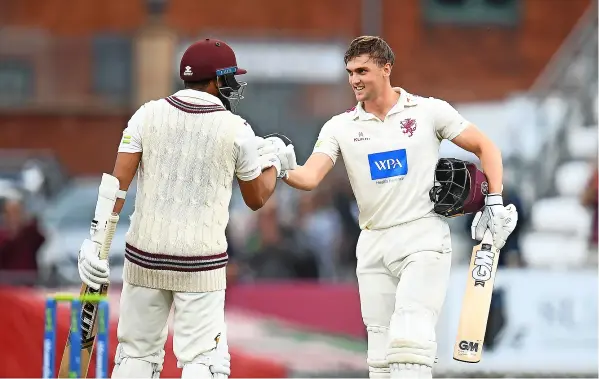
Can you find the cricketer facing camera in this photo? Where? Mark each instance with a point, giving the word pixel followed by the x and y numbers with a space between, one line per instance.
pixel 390 145
pixel 186 149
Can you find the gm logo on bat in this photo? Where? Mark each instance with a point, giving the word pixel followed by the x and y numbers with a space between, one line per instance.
pixel 483 265
pixel 468 346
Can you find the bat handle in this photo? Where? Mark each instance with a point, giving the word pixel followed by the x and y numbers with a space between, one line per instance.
pixel 487 237
pixel 110 230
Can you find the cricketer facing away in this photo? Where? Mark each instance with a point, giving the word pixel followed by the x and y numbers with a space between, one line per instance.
pixel 390 146
pixel 188 147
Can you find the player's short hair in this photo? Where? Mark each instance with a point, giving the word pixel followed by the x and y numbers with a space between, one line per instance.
pixel 375 47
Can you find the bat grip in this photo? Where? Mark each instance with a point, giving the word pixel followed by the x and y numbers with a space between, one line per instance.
pixel 110 229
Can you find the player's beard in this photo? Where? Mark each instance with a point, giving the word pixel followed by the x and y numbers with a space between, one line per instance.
pixel 225 100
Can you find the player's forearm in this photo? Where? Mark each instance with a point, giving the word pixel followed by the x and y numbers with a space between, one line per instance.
pixel 269 178
pixel 124 170
pixel 492 165
pixel 256 192
pixel 301 178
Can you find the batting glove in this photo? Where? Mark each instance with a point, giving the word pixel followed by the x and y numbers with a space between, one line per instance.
pixel 283 148
pixel 220 366
pixel 500 220
pixel 93 271
pixel 270 160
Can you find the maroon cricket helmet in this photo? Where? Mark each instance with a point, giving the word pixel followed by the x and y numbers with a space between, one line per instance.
pixel 460 188
pixel 207 59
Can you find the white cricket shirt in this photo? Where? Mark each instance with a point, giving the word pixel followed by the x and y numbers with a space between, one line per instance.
pixel 391 163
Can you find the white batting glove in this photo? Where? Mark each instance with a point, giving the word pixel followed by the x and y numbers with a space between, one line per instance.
pixel 286 153
pixel 267 153
pixel 265 147
pixel 220 359
pixel 288 160
pixel 221 366
pixel 500 220
pixel 270 160
pixel 93 271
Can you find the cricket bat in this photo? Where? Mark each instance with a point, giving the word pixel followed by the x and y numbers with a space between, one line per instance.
pixel 477 301
pixel 89 312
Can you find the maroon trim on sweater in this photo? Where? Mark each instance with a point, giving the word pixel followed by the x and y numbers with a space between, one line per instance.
pixel 175 263
pixel 193 108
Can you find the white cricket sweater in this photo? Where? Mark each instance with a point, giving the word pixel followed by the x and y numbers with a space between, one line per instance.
pixel 176 240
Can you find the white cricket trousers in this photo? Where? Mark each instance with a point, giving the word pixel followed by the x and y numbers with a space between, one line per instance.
pixel 403 273
pixel 198 322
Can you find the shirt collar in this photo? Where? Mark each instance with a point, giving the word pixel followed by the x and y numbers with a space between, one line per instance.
pixel 406 100
pixel 195 96
pixel 361 114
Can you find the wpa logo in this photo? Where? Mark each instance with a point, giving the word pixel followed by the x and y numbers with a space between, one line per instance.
pixel 388 164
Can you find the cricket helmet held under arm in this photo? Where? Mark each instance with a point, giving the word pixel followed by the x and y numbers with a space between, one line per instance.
pixel 459 188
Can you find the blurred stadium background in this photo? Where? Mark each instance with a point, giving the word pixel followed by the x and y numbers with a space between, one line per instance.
pixel 73 72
